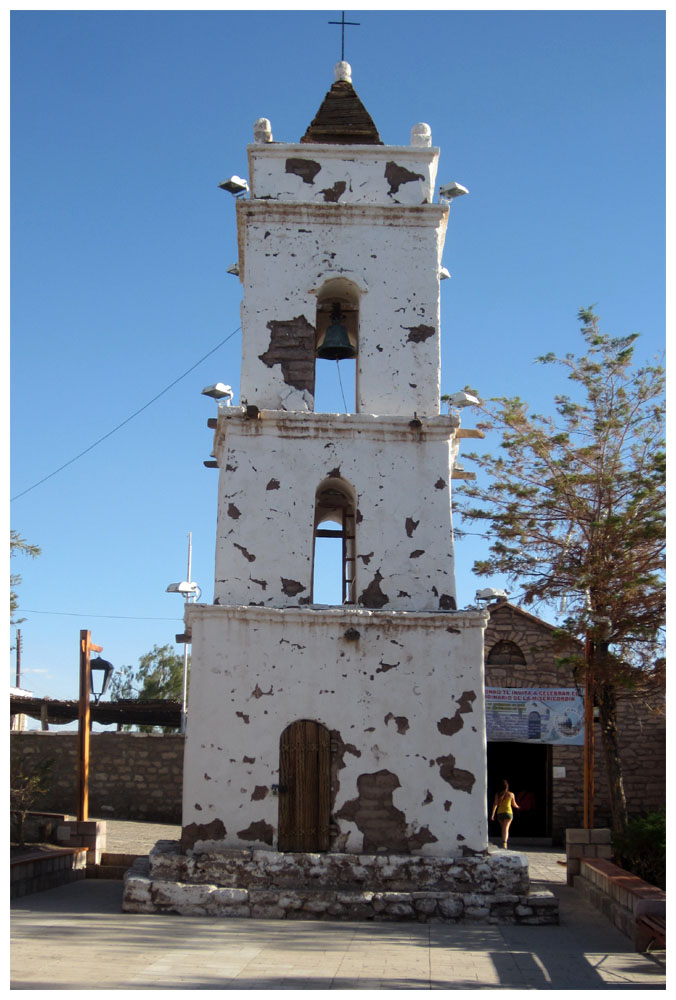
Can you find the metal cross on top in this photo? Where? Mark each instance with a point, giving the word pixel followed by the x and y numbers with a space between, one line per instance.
pixel 342 24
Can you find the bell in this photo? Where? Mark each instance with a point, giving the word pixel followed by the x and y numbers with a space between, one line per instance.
pixel 336 344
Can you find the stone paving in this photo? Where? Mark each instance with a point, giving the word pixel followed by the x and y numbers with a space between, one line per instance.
pixel 76 937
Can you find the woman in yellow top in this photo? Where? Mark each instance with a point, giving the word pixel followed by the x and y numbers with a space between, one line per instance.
pixel 503 804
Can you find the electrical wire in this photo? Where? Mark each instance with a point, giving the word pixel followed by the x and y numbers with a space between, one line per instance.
pixel 341 384
pixel 76 614
pixel 127 420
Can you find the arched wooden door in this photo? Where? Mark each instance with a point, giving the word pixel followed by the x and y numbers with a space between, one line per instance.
pixel 304 800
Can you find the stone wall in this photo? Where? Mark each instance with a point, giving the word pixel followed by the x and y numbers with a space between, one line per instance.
pixel 641 724
pixel 134 776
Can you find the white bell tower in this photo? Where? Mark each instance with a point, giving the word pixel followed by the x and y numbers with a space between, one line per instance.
pixel 358 727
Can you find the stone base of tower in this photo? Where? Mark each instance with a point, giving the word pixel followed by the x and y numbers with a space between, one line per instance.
pixel 491 888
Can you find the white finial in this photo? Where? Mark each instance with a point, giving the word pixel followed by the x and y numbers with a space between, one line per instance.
pixel 262 130
pixel 421 135
pixel 343 71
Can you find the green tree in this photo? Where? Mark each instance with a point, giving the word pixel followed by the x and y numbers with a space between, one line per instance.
pixel 159 676
pixel 18 546
pixel 574 510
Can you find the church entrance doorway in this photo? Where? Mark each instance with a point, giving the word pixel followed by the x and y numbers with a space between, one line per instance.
pixel 527 768
pixel 304 787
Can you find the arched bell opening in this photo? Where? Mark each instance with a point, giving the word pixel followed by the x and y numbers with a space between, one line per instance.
pixel 334 544
pixel 337 347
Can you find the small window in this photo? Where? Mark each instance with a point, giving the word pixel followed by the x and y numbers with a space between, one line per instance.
pixel 505 653
pixel 334 544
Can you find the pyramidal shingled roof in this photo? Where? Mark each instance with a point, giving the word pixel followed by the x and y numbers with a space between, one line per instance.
pixel 342 118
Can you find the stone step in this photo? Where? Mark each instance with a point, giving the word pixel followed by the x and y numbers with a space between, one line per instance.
pixel 144 894
pixel 113 866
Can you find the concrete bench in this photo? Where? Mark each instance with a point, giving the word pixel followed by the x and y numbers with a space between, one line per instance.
pixel 628 901
pixel 651 932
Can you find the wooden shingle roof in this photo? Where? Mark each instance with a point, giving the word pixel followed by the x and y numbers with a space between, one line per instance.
pixel 343 120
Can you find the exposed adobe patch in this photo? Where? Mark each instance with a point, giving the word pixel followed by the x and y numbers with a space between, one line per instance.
pixel 233 511
pixel 258 831
pixel 447 804
pixel 365 559
pixel 440 484
pixel 259 792
pixel 207 777
pixel 257 693
pixel 411 525
pixel 334 193
pixel 245 553
pixel 337 761
pixel 396 176
pixel 273 484
pixel 373 812
pixel 428 798
pixel 447 603
pixel 400 720
pixel 292 346
pixel 448 727
pixel 243 716
pixel 421 837
pixel 263 584
pixel 456 631
pixel 248 760
pixel 416 334
pixel 384 667
pixel 291 587
pixel 372 596
pixel 417 553
pixel 455 776
pixel 334 473
pixel 307 170
pixel 193 832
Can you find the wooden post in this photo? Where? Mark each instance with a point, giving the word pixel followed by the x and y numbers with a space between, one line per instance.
pixel 588 779
pixel 84 723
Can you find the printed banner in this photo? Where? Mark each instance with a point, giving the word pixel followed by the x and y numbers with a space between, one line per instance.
pixel 535 715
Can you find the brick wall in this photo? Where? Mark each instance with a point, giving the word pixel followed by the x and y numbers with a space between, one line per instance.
pixel 641 724
pixel 132 775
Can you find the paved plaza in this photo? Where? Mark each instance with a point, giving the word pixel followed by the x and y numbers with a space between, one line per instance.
pixel 76 937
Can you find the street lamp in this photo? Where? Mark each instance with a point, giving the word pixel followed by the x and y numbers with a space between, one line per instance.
pixel 107 669
pixel 191 592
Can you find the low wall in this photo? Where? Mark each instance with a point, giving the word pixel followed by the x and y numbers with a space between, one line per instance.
pixel 137 776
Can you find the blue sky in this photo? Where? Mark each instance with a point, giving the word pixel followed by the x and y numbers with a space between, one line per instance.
pixel 124 122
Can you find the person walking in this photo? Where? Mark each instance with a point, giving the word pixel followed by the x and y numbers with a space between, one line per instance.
pixel 504 804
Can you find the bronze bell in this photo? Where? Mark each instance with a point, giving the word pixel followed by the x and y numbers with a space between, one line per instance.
pixel 336 344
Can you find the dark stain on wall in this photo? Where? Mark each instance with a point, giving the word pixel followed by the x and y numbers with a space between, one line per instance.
pixel 257 831
pixel 447 603
pixel 396 176
pixel 307 170
pixel 455 776
pixel 261 583
pixel 292 346
pixel 233 511
pixel 416 334
pixel 416 553
pixel 193 832
pixel 259 792
pixel 273 484
pixel 448 727
pixel 257 693
pixel 243 717
pixel 440 484
pixel 291 587
pixel 411 525
pixel 372 596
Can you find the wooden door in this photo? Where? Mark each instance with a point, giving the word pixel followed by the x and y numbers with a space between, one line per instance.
pixel 304 787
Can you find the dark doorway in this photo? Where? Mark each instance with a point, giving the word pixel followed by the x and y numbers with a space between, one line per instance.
pixel 304 787
pixel 527 768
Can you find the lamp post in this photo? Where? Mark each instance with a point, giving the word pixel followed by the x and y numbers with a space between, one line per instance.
pixel 189 590
pixel 84 718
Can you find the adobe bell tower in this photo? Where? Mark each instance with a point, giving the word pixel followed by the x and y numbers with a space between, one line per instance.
pixel 355 728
